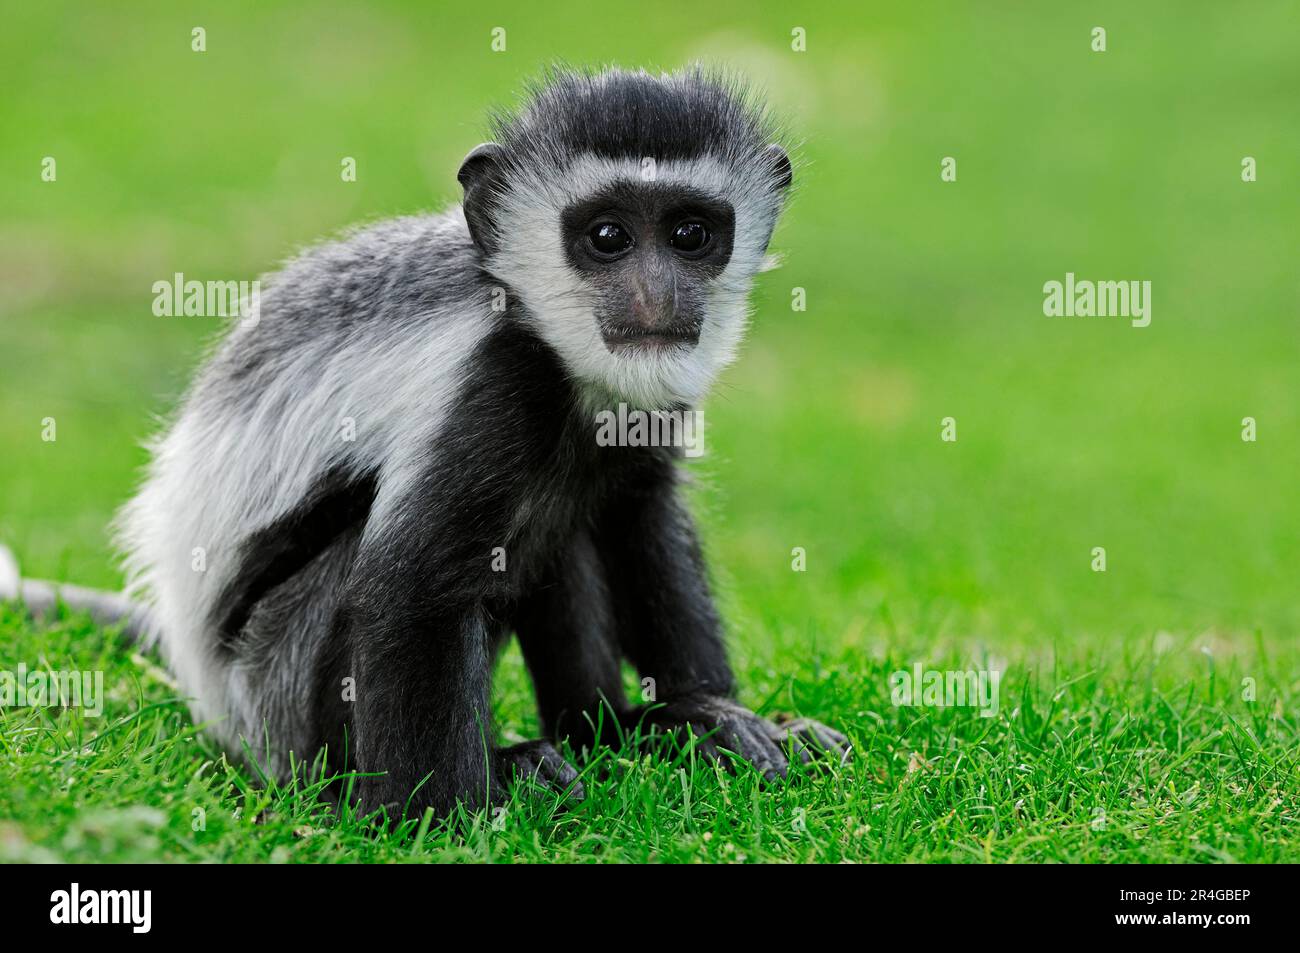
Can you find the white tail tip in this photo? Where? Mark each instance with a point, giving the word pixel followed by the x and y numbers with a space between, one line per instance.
pixel 9 578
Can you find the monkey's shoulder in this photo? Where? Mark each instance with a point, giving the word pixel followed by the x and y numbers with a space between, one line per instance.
pixel 382 288
pixel 392 270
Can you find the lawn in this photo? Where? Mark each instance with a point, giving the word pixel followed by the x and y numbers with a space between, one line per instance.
pixel 1147 712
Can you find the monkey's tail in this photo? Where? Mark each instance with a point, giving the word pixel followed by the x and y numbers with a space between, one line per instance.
pixel 42 598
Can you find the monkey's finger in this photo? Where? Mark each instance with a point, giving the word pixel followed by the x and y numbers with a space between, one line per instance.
pixel 814 734
pixel 708 750
pixel 826 736
pixel 732 747
pixel 759 750
pixel 797 746
pixel 778 758
pixel 832 742
pixel 559 775
pixel 706 743
pixel 539 761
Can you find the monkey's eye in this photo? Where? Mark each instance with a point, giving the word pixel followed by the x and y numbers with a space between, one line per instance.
pixel 689 237
pixel 609 239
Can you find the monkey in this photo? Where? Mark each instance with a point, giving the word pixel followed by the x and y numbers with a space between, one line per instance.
pixel 369 489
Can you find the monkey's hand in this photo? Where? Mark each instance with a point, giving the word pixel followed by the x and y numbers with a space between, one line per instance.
pixel 725 730
pixel 809 740
pixel 540 762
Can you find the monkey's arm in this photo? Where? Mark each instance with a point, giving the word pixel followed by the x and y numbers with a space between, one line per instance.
pixel 413 622
pixel 669 628
pixel 566 632
pixel 663 610
pixel 420 718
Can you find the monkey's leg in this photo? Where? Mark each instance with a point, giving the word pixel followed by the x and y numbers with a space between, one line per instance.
pixel 566 632
pixel 670 629
pixel 420 718
pixel 413 626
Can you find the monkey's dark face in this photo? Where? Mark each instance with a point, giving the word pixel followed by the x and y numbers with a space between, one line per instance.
pixel 649 253
pixel 640 285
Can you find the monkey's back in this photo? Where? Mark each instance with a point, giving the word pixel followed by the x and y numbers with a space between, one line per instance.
pixel 348 369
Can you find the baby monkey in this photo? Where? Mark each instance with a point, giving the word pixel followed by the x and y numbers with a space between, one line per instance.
pixel 396 466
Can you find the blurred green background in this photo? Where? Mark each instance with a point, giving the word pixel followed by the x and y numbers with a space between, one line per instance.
pixel 924 297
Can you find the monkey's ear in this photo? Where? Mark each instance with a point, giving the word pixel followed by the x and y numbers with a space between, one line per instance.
pixel 478 175
pixel 782 174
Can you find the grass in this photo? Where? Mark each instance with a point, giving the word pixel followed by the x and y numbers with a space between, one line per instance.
pixel 1123 690
pixel 1150 755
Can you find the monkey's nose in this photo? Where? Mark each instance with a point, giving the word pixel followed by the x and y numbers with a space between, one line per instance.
pixel 651 310
pixel 643 315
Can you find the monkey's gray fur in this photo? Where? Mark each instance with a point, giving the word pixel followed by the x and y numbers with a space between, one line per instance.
pixel 324 508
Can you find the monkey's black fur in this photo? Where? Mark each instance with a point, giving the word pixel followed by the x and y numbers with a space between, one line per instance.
pixel 627 114
pixel 601 562
pixel 378 564
pixel 278 553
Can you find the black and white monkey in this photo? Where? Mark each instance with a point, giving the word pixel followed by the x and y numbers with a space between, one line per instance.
pixel 318 545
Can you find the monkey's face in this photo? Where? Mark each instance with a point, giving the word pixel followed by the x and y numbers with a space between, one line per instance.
pixel 649 255
pixel 625 214
pixel 639 281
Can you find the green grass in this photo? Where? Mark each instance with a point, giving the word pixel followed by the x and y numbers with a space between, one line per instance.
pixel 1148 754
pixel 1122 690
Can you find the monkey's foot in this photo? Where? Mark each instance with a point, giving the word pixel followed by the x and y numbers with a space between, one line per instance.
pixel 809 740
pixel 540 762
pixel 725 731
pixel 722 730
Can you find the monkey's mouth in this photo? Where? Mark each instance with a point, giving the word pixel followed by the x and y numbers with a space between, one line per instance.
pixel 638 340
